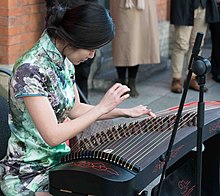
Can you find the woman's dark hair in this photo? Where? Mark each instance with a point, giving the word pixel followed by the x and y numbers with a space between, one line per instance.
pixel 86 25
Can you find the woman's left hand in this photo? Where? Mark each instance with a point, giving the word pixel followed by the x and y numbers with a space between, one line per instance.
pixel 139 111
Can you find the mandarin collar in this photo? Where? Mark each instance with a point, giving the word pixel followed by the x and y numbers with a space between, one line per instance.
pixel 51 49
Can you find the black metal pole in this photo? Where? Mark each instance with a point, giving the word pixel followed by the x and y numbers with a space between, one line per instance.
pixel 200 128
pixel 166 158
pixel 200 67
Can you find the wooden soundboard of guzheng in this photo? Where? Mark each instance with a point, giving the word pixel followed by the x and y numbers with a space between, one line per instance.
pixel 124 159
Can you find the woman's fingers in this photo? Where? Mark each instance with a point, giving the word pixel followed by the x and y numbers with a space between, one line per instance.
pixel 119 92
pixel 150 113
pixel 120 89
pixel 114 96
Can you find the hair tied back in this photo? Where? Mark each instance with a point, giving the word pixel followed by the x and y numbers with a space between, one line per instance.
pixel 57 13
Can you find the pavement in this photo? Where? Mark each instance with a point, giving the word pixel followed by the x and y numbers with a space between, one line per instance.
pixel 155 90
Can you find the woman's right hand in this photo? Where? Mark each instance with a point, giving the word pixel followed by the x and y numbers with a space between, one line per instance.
pixel 114 97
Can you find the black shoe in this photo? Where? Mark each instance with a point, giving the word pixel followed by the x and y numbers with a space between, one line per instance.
pixel 216 78
pixel 132 86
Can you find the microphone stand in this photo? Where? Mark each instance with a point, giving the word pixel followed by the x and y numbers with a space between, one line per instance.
pixel 196 64
pixel 200 68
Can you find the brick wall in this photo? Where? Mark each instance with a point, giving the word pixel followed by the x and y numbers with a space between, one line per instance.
pixel 163 7
pixel 21 23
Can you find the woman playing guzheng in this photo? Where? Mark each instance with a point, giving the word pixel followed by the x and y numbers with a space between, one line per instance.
pixel 43 95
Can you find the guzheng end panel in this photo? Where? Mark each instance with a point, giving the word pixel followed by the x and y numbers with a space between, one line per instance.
pixel 91 177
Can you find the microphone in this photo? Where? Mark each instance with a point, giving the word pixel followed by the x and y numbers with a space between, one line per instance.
pixel 197 44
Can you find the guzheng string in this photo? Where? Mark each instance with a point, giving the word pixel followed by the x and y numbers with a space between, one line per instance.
pixel 162 136
pixel 110 133
pixel 114 135
pixel 144 143
pixel 145 134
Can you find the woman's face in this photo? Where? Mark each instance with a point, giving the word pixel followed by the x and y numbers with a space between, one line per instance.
pixel 77 56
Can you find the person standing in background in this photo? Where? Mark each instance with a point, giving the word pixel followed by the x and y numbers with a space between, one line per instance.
pixel 136 38
pixel 188 17
pixel 215 54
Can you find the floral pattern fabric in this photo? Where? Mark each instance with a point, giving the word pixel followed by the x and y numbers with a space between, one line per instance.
pixel 39 72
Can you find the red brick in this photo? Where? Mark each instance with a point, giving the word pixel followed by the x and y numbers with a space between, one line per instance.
pixel 36 25
pixel 26 19
pixel 26 10
pixel 163 9
pixel 28 45
pixel 15 49
pixel 3 49
pixel 29 2
pixel 4 11
pixel 10 60
pixel 17 30
pixel 8 3
pixel 4 40
pixel 30 37
pixel 3 21
pixel 3 31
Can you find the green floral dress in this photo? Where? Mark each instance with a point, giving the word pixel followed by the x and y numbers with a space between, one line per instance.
pixel 39 72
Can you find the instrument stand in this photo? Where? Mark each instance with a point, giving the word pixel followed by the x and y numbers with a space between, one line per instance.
pixel 200 67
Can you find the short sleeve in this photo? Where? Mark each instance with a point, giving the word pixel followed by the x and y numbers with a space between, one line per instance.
pixel 28 80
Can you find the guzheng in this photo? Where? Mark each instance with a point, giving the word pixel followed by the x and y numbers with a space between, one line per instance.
pixel 124 160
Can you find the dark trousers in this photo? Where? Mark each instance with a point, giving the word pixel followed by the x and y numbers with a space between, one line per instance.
pixel 132 72
pixel 215 55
